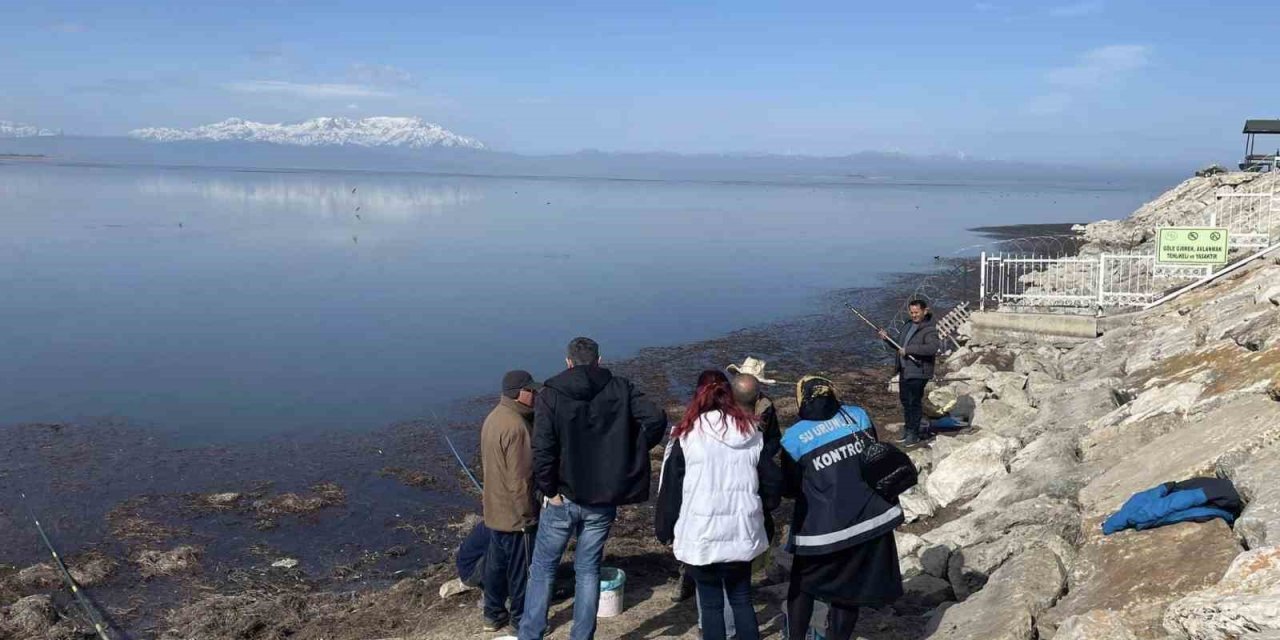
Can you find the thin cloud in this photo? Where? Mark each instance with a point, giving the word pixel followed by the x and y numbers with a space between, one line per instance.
pixel 1078 9
pixel 312 91
pixel 1092 70
pixel 1100 66
pixel 983 7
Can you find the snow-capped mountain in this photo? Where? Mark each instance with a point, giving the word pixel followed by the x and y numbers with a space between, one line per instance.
pixel 19 130
pixel 412 133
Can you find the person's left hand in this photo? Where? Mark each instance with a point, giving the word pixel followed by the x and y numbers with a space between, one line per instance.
pixel 902 352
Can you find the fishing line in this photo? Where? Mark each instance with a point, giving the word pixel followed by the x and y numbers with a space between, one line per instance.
pixel 91 611
pixel 457 456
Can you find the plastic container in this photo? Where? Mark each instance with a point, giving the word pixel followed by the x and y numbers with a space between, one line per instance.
pixel 613 583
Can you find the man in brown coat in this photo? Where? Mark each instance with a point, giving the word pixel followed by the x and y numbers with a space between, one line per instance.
pixel 510 509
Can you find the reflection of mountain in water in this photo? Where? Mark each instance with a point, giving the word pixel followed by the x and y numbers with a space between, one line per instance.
pixel 328 196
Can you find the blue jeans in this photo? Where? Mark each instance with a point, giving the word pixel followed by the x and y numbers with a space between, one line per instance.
pixel 721 582
pixel 556 526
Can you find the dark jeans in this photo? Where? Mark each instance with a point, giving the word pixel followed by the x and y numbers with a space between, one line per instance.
pixel 840 620
pixel 506 572
pixel 911 392
pixel 715 582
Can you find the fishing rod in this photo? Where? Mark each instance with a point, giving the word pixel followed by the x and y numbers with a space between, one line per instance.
pixel 882 331
pixel 457 456
pixel 95 618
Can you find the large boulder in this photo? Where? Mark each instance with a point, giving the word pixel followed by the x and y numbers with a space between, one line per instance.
pixel 1100 624
pixel 926 591
pixel 1072 404
pixel 1007 608
pixel 1003 417
pixel 916 504
pixel 1227 371
pixel 1060 517
pixel 1038 359
pixel 1100 358
pixel 968 569
pixel 1258 481
pixel 1040 387
pixel 1246 600
pixel 974 373
pixel 1175 398
pixel 1246 424
pixel 965 472
pixel 1173 336
pixel 1119 440
pixel 1010 387
pixel 1054 478
pixel 1259 333
pixel 1046 467
pixel 907 543
pixel 1138 573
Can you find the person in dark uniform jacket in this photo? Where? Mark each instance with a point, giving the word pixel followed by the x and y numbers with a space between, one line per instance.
pixel 841 530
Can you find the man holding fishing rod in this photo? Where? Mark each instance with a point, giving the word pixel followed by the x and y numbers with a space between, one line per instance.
pixel 916 349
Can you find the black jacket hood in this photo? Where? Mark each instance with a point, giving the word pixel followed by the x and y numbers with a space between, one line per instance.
pixel 582 382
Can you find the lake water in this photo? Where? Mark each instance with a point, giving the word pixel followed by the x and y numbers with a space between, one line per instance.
pixel 222 305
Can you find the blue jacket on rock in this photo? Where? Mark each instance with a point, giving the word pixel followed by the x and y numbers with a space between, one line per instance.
pixel 1194 500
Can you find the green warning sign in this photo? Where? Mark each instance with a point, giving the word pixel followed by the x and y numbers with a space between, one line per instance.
pixel 1191 245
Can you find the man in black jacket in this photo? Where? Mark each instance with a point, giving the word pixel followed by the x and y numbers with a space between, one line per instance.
pixel 592 432
pixel 919 348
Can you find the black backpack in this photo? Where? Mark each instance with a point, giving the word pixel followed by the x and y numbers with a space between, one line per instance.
pixel 885 467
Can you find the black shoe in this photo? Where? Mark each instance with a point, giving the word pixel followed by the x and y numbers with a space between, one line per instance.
pixel 909 440
pixel 491 626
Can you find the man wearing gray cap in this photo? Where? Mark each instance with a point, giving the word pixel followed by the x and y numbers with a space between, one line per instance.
pixel 510 509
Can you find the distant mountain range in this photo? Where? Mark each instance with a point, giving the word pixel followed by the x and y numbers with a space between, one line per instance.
pixel 396 132
pixel 413 144
pixel 18 130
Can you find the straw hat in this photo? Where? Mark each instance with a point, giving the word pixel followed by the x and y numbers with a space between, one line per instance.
pixel 752 367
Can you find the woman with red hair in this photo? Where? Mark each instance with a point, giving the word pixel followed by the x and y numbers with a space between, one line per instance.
pixel 715 489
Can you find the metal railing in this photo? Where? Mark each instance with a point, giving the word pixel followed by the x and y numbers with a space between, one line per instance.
pixel 1247 213
pixel 1038 282
pixel 1250 213
pixel 1103 281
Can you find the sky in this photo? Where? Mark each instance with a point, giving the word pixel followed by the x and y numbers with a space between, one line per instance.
pixel 1103 81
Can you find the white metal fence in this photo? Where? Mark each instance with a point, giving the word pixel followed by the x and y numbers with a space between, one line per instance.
pixel 1094 282
pixel 1248 213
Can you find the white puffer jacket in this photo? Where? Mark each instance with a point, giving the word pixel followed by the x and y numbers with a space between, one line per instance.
pixel 721 514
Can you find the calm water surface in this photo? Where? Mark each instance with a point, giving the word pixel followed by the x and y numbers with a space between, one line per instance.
pixel 222 305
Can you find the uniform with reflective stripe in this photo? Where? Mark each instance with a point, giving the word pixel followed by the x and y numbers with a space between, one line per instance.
pixel 835 508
